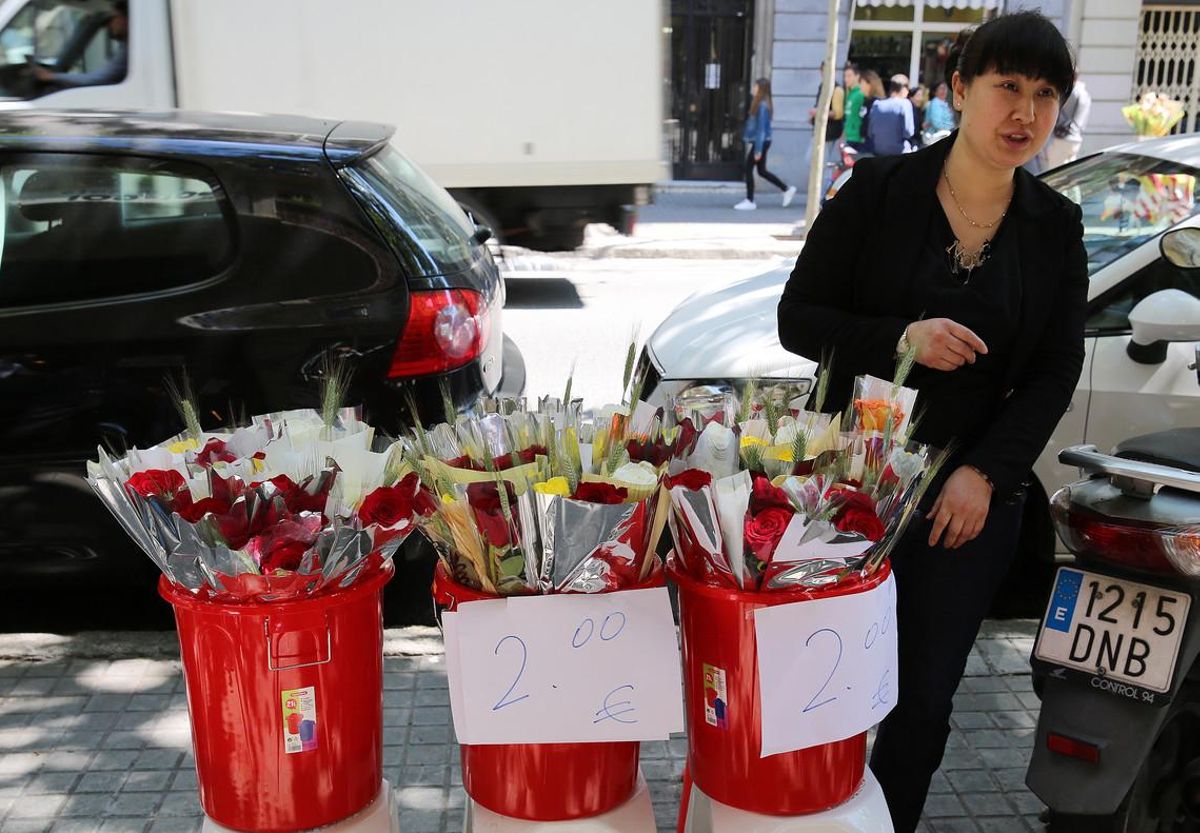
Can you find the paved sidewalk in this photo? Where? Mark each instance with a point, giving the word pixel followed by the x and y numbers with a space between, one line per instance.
pixel 102 744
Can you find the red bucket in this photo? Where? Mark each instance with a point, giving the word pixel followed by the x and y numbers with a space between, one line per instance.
pixel 543 781
pixel 286 703
pixel 717 626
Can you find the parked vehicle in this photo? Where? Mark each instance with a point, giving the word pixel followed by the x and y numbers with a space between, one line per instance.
pixel 841 169
pixel 538 121
pixel 244 249
pixel 1118 742
pixel 1130 195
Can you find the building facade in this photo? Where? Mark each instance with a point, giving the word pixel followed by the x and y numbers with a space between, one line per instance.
pixel 1123 48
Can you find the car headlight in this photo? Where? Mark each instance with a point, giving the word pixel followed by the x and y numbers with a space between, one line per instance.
pixel 709 395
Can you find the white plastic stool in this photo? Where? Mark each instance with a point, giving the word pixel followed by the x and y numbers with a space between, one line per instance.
pixel 634 816
pixel 380 816
pixel 864 812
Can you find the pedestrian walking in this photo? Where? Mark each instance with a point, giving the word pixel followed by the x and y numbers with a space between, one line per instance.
pixel 917 99
pixel 1064 144
pixel 835 121
pixel 981 274
pixel 873 90
pixel 757 135
pixel 891 127
pixel 856 94
pixel 939 117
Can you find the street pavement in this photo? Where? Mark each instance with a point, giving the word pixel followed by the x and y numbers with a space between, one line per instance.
pixel 94 736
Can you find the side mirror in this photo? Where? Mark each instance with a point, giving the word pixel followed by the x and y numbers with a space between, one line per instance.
pixel 1181 247
pixel 1161 317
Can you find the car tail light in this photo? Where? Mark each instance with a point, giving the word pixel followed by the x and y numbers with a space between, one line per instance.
pixel 1072 748
pixel 446 329
pixel 1141 545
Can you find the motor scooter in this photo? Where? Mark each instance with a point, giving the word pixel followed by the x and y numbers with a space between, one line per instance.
pixel 1115 661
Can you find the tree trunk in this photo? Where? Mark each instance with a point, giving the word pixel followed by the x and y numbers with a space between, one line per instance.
pixel 816 170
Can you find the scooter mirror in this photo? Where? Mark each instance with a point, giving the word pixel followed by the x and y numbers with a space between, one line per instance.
pixel 1181 247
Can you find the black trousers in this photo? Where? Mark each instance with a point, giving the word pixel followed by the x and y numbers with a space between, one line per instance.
pixel 942 596
pixel 762 171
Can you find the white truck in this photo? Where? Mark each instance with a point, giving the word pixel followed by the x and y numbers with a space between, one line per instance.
pixel 539 116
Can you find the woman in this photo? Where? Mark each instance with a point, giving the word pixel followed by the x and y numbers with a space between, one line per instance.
pixel 872 87
pixel 981 271
pixel 917 99
pixel 757 134
pixel 938 116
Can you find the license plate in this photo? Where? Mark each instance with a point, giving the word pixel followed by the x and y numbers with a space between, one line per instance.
pixel 1119 630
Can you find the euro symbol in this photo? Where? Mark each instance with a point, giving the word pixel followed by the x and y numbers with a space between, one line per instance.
pixel 609 711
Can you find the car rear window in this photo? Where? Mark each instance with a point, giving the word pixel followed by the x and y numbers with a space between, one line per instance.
pixel 437 233
pixel 79 228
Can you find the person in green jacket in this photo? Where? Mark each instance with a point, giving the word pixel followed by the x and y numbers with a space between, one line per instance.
pixel 852 132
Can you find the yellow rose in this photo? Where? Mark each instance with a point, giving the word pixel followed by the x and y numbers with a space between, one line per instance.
pixel 554 486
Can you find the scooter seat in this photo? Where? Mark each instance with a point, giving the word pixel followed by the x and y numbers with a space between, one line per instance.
pixel 1178 447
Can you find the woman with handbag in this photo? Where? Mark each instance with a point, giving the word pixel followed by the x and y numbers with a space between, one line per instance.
pixel 757 135
pixel 981 274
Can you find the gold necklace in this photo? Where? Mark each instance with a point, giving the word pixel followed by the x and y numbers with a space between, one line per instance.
pixel 958 205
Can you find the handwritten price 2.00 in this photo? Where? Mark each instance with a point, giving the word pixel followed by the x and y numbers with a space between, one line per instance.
pixel 875 630
pixel 608 630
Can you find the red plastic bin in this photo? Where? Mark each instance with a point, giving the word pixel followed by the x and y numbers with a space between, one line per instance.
pixel 717 627
pixel 543 781
pixel 266 678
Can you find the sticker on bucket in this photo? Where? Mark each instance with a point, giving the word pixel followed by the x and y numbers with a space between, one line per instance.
pixel 716 697
pixel 299 719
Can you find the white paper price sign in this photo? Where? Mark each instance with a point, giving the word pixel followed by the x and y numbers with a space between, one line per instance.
pixel 827 668
pixel 564 668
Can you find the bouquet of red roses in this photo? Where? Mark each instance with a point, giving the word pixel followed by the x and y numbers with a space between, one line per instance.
pixel 802 503
pixel 282 508
pixel 525 506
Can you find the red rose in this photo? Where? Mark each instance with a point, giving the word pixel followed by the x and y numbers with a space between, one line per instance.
pixel 693 480
pixel 850 499
pixel 765 496
pixel 685 443
pixel 196 511
pixel 601 493
pixel 484 499
pixel 282 546
pixel 387 506
pixel 764 531
pixel 214 451
pixel 299 499
pixel 225 489
pixel 864 522
pixel 166 484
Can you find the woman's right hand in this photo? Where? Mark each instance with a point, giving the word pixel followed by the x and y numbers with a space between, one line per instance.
pixel 942 344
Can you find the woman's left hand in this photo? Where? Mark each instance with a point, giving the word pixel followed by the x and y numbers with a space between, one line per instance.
pixel 961 509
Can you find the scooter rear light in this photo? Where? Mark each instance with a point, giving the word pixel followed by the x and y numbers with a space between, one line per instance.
pixel 1134 544
pixel 1072 748
pixel 1182 546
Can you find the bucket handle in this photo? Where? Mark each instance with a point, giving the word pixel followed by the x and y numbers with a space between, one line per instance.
pixel 280 629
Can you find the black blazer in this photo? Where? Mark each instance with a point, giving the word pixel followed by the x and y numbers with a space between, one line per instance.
pixel 857 265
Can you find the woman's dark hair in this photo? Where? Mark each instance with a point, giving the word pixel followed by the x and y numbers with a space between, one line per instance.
pixel 1025 43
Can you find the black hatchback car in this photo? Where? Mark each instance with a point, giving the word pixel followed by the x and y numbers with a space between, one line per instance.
pixel 245 249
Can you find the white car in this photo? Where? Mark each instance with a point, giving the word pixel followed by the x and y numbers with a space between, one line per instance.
pixel 1130 195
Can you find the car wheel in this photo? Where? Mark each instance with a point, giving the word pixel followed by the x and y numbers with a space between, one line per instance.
pixel 1165 796
pixel 1026 588
pixel 558 239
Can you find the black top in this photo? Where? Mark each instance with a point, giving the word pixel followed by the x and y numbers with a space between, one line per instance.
pixel 850 297
pixel 958 404
pixel 833 127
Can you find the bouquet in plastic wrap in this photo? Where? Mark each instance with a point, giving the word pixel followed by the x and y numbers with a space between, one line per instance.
pixel 790 498
pixel 545 500
pixel 289 505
